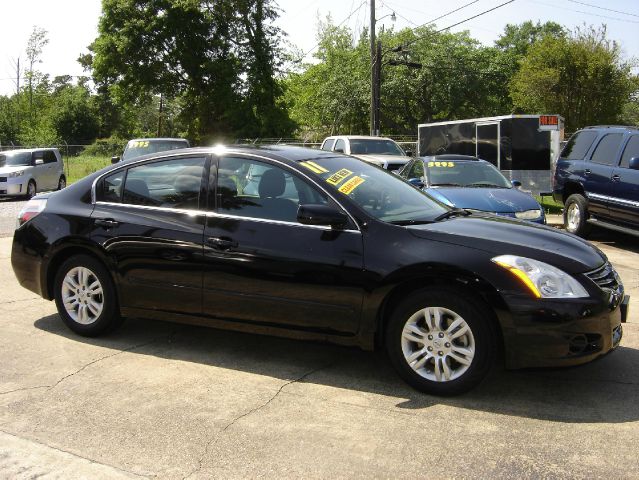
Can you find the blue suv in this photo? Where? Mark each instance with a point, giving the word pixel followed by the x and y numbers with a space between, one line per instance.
pixel 597 180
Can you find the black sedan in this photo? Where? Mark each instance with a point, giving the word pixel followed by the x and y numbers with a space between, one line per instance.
pixel 318 245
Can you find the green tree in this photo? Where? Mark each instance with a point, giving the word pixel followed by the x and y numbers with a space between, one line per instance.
pixel 581 76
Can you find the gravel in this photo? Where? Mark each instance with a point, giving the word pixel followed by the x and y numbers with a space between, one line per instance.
pixel 9 209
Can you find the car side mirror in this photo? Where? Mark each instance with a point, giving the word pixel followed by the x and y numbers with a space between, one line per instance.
pixel 39 161
pixel 115 159
pixel 516 183
pixel 408 152
pixel 634 163
pixel 339 150
pixel 321 215
pixel 416 182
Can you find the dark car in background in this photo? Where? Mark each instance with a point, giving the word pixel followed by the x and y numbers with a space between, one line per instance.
pixel 463 181
pixel 145 146
pixel 318 245
pixel 597 180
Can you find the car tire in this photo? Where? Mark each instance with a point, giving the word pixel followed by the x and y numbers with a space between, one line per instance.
pixel 62 182
pixel 85 296
pixel 576 215
pixel 441 341
pixel 32 189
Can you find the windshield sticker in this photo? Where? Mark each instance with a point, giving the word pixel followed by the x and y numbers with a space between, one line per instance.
pixel 314 167
pixel 351 185
pixel 441 164
pixel 140 144
pixel 338 176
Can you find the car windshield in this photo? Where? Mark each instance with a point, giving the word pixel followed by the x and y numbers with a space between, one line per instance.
pixel 18 159
pixel 464 174
pixel 364 146
pixel 380 193
pixel 137 148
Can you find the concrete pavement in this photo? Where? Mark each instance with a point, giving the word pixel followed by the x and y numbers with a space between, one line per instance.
pixel 172 401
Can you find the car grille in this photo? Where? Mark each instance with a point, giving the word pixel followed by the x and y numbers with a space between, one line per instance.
pixel 3 179
pixel 606 277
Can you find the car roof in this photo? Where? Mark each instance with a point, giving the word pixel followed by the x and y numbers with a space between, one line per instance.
pixel 357 137
pixel 158 139
pixel 285 153
pixel 611 127
pixel 450 156
pixel 28 150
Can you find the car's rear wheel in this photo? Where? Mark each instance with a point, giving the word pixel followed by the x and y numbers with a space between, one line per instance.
pixel 85 296
pixel 440 341
pixel 62 182
pixel 576 215
pixel 31 189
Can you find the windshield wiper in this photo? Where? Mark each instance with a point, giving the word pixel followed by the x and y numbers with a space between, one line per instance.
pixel 485 185
pixel 445 185
pixel 410 222
pixel 452 213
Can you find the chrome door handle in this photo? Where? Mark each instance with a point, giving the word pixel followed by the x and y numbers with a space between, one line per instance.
pixel 221 243
pixel 106 223
pixel 587 171
pixel 616 178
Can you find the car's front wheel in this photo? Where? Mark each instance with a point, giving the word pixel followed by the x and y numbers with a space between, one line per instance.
pixel 62 182
pixel 441 341
pixel 85 296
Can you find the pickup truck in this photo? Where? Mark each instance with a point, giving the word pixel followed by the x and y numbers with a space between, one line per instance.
pixel 597 180
pixel 380 151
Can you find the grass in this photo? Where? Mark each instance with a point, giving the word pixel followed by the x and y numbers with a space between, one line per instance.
pixel 83 165
pixel 549 204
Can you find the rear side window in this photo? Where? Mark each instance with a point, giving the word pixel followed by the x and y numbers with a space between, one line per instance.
pixel 174 183
pixel 110 188
pixel 340 145
pixel 578 145
pixel 328 144
pixel 606 151
pixel 631 151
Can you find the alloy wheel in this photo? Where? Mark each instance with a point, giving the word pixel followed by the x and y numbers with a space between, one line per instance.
pixel 438 344
pixel 82 295
pixel 573 216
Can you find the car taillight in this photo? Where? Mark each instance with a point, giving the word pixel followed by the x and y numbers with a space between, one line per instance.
pixel 33 208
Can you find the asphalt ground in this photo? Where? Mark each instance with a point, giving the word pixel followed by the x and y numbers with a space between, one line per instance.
pixel 158 400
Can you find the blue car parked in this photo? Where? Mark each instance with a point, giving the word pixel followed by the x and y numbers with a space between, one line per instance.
pixel 471 183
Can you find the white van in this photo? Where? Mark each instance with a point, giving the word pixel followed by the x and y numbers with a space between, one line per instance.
pixel 26 172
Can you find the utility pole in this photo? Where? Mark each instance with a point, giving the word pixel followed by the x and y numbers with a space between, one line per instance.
pixel 373 68
pixel 18 77
pixel 378 88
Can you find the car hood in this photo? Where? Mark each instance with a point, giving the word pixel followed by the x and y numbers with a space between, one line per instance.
pixel 5 170
pixel 383 158
pixel 503 236
pixel 500 200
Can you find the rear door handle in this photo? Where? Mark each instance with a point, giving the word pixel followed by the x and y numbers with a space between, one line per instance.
pixel 106 223
pixel 587 171
pixel 220 243
pixel 616 178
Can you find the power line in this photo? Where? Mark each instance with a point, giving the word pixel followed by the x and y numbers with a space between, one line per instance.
pixel 450 13
pixel 627 20
pixel 603 8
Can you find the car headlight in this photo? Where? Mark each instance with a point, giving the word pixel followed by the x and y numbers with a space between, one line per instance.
pixel 543 280
pixel 19 173
pixel 528 214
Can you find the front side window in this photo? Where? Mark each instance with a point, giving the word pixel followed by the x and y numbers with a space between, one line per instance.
pixel 380 193
pixel 416 170
pixel 109 189
pixel 174 183
pixel 606 150
pixel 251 188
pixel 631 151
pixel 340 145
pixel 328 144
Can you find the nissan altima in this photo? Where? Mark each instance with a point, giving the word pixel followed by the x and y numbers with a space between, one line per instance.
pixel 318 245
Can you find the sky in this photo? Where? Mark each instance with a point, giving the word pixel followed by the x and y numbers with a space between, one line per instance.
pixel 72 24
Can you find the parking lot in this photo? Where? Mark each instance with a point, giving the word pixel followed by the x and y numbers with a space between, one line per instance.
pixel 172 401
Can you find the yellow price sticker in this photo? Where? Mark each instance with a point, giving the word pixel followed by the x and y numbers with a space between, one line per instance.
pixel 338 176
pixel 351 185
pixel 140 144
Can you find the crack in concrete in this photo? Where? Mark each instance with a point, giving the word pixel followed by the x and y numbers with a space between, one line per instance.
pixel 93 362
pixel 61 450
pixel 246 414
pixel 18 301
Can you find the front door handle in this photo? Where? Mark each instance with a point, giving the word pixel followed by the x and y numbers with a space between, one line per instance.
pixel 587 171
pixel 221 243
pixel 106 223
pixel 616 178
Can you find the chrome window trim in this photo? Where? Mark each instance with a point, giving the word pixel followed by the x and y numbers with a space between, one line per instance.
pixel 621 201
pixel 209 213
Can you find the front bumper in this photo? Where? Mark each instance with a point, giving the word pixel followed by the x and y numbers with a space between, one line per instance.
pixel 13 187
pixel 554 333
